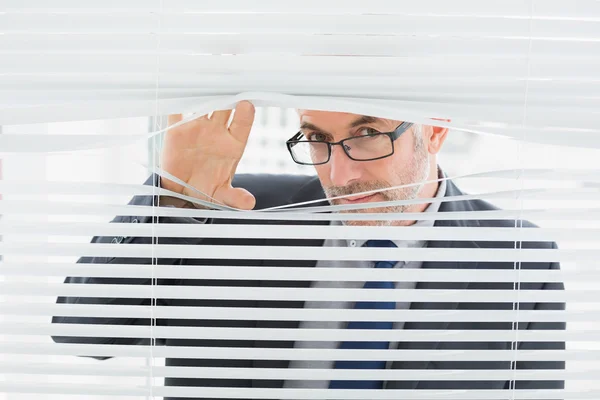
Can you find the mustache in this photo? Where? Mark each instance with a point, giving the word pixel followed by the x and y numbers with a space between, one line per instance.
pixel 359 187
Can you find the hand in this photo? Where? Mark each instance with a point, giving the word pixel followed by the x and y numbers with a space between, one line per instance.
pixel 205 154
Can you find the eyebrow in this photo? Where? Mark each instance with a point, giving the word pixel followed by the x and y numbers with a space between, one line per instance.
pixel 362 120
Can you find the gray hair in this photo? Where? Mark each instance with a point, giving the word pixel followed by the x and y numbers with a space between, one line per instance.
pixel 418 135
pixel 417 131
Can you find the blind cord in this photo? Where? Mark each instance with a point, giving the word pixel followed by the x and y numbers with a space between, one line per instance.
pixel 519 220
pixel 158 122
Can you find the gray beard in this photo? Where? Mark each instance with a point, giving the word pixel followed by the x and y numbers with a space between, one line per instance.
pixel 420 174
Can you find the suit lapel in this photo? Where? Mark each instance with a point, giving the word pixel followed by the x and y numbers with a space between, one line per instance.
pixel 457 206
pixel 441 325
pixel 310 191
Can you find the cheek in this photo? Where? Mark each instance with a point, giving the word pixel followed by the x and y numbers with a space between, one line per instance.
pixel 405 156
pixel 323 173
pixel 404 150
pixel 382 170
pixel 395 169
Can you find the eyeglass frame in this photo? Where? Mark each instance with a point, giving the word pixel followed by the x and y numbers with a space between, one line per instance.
pixel 395 134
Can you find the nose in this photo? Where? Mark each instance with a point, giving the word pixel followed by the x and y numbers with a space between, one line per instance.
pixel 342 170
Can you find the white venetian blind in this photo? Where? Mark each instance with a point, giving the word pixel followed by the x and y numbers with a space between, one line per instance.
pixel 517 82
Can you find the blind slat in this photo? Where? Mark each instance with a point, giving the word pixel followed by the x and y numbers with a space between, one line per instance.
pixel 287 314
pixel 304 374
pixel 288 24
pixel 260 393
pixel 300 232
pixel 298 294
pixel 392 394
pixel 299 252
pixel 194 64
pixel 8 207
pixel 351 45
pixel 510 8
pixel 243 353
pixel 582 272
pixel 411 335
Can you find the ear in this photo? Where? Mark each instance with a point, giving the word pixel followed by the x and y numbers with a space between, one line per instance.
pixel 438 136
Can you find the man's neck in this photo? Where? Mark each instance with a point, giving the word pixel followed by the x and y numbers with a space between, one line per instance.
pixel 428 191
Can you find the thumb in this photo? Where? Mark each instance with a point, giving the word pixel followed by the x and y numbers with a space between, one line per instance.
pixel 238 198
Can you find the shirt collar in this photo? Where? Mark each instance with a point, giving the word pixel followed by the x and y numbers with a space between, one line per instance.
pixel 432 208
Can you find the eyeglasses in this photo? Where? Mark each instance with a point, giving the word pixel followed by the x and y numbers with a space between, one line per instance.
pixel 369 147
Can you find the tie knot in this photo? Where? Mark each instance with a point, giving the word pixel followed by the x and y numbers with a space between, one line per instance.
pixel 380 243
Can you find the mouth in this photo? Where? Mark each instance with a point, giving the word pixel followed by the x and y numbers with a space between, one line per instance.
pixel 355 200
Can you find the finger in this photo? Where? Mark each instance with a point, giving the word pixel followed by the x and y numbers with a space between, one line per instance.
pixel 221 117
pixel 204 117
pixel 243 118
pixel 236 197
pixel 174 118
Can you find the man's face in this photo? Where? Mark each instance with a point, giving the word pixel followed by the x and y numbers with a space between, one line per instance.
pixel 342 176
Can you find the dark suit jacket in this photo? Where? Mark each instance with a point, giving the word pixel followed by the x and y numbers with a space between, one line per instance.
pixel 272 190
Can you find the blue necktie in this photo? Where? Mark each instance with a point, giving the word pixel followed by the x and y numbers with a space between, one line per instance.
pixel 384 305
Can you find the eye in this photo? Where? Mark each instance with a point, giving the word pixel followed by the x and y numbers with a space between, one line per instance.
pixel 316 137
pixel 367 131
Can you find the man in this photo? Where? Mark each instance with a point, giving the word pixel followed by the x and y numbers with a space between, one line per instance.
pixel 352 154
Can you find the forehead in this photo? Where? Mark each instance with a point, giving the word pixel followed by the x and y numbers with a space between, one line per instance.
pixel 333 120
pixel 327 117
